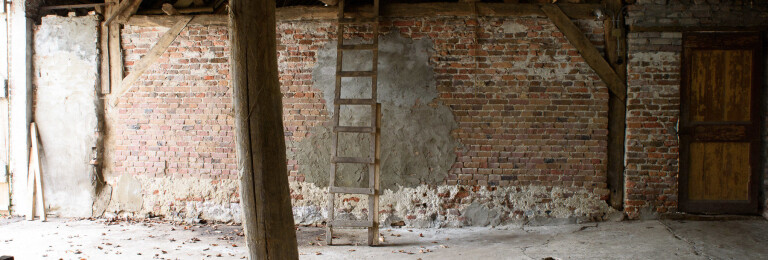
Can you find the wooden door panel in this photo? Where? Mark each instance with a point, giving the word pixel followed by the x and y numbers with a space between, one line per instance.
pixel 718 171
pixel 720 85
pixel 720 123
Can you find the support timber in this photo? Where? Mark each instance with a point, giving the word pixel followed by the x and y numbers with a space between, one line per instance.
pixel 264 194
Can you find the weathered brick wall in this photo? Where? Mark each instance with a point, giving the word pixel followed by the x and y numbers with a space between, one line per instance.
pixel 177 120
pixel 653 108
pixel 653 101
pixel 530 111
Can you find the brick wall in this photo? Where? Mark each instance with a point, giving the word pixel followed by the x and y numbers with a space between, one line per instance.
pixel 653 108
pixel 178 118
pixel 653 101
pixel 530 111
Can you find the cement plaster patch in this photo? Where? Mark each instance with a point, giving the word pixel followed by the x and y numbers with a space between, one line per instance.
pixel 416 142
pixel 66 77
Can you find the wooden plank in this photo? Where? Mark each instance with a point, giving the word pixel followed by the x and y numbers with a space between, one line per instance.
pixel 169 9
pixel 373 204
pixel 737 91
pixel 355 73
pixel 355 129
pixel 149 59
pixel 351 190
pixel 681 28
pixel 121 8
pixel 358 47
pixel 719 171
pixel 192 10
pixel 575 11
pixel 77 6
pixel 335 135
pixel 355 101
pixel 721 85
pixel 339 223
pixel 34 179
pixel 616 54
pixel 168 21
pixel 116 68
pixel 104 55
pixel 367 160
pixel 264 193
pixel 587 50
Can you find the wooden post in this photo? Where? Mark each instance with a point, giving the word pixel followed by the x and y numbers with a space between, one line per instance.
pixel 115 51
pixel 616 54
pixel 264 194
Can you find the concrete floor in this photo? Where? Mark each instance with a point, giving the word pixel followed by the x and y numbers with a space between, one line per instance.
pixel 666 239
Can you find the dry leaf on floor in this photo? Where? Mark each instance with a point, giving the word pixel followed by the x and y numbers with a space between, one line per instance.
pixel 318 253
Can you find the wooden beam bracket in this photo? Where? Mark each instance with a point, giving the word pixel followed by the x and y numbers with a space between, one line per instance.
pixel 591 55
pixel 150 58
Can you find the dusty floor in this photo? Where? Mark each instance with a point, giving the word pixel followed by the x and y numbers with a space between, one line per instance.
pixel 667 239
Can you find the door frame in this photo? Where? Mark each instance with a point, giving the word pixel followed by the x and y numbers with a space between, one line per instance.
pixel 722 41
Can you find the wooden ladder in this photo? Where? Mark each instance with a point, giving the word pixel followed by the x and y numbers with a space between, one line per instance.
pixel 372 223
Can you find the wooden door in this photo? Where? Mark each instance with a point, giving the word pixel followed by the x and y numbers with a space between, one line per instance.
pixel 720 123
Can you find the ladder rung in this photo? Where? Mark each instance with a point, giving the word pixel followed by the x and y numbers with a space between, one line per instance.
pixel 359 47
pixel 354 129
pixel 351 223
pixel 351 190
pixel 358 20
pixel 368 160
pixel 355 73
pixel 355 101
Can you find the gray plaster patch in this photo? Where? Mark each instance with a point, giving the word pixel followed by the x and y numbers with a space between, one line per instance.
pixel 66 77
pixel 416 142
pixel 512 27
pixel 477 214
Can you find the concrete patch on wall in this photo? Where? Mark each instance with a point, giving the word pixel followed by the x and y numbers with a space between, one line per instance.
pixel 66 77
pixel 453 206
pixel 416 142
pixel 177 199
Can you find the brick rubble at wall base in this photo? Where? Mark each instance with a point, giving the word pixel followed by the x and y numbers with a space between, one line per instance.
pixel 192 200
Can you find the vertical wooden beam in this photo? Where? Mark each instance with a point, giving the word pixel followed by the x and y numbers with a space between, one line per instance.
pixel 264 194
pixel 115 52
pixel 104 52
pixel 616 54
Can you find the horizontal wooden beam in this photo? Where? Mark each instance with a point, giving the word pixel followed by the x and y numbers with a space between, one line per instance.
pixel 79 6
pixel 634 28
pixel 573 11
pixel 593 57
pixel 191 10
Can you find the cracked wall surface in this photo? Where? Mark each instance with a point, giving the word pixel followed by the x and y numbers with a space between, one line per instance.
pixel 66 78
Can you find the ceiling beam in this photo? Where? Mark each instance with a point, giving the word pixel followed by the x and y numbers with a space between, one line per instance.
pixel 573 11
